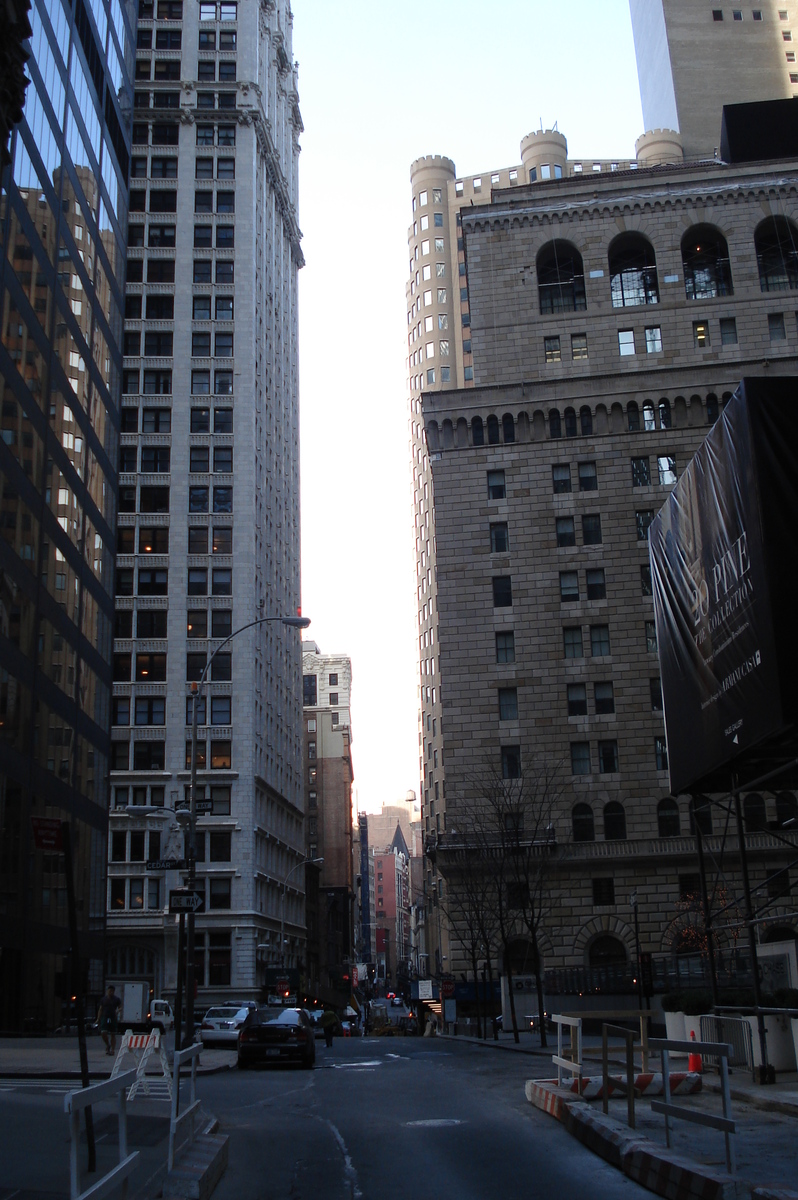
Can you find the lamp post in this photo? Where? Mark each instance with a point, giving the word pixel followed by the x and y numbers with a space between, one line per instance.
pixel 196 694
pixel 304 862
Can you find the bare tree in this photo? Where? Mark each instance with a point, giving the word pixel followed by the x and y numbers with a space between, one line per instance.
pixel 470 906
pixel 506 833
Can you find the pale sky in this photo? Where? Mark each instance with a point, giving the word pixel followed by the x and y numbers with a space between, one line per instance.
pixel 381 84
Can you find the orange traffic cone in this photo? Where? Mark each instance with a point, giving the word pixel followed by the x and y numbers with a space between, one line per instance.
pixel 694 1062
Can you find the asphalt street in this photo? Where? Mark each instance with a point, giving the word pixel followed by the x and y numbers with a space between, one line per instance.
pixel 382 1118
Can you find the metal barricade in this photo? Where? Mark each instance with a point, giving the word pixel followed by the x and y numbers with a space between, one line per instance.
pixel 734 1030
pixel 74 1103
pixel 679 1112
pixel 574 1063
pixel 626 1089
pixel 190 1054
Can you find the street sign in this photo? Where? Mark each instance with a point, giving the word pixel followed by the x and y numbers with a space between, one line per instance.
pixel 204 806
pixel 425 989
pixel 166 864
pixel 447 987
pixel 47 833
pixel 186 901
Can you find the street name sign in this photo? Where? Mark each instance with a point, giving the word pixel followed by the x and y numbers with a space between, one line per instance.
pixel 186 901
pixel 166 864
pixel 204 806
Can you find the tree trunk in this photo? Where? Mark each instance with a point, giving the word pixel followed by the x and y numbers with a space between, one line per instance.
pixel 491 1014
pixel 512 994
pixel 539 985
pixel 476 990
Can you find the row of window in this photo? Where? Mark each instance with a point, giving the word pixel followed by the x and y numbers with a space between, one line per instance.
pixel 606 757
pixel 600 640
pixel 166 202
pixel 155 581
pixel 155 539
pixel 151 710
pixel 172 39
pixel 152 795
pixel 162 270
pixel 155 459
pixel 153 499
pixel 159 343
pixel 167 133
pixel 129 894
pixel 169 70
pixel 161 167
pixel 151 667
pixel 150 755
pixel 172 10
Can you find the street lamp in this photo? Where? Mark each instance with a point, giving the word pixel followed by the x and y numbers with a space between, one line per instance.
pixel 196 694
pixel 304 862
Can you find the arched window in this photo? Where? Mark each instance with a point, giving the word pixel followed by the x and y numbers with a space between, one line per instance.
pixel 555 424
pixel 493 431
pixel 700 815
pixel 582 819
pixel 712 409
pixel 649 421
pixel 614 822
pixel 585 420
pixel 776 242
pixel 786 809
pixel 633 271
pixel 633 416
pixel 665 420
pixel 755 813
pixel 570 422
pixel 508 427
pixel 561 278
pixel 705 258
pixel 668 818
pixel 780 933
pixel 477 432
pixel 606 951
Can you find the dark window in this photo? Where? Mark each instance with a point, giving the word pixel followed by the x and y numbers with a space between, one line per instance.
pixel 566 534
pixel 157 383
pixel 124 581
pixel 202 270
pixel 633 271
pixel 570 422
pixel 591 529
pixel 599 640
pixel 651 637
pixel 225 237
pixel 222 499
pixel 203 203
pixel 508 704
pixel 197 581
pixel 200 420
pixel 499 540
pixel 151 623
pixel 155 459
pixel 123 623
pixel 197 623
pixel 580 758
pixel 643 519
pixel 596 586
pixel 195 665
pixel 608 757
pixel 604 697
pixel 505 647
pixel 641 472
pixel 700 813
pixel 755 813
pixel 128 459
pixel 222 668
pixel 588 479
pixel 561 278
pixel 477 432
pixel 154 500
pixel 148 756
pixel 220 750
pixel 561 477
pixel 614 821
pixel 582 823
pixel 577 699
pixel 569 586
pixel 198 539
pixel 502 591
pixel 222 582
pixel 603 892
pixel 705 258
pixel 776 243
pixel 223 345
pixel 150 668
pixel 218 897
pixel 220 848
pixel 585 421
pixel 655 688
pixel 150 710
pixel 161 236
pixel 222 539
pixel 309 691
pixel 511 762
pixel 225 270
pixel 203 168
pixel 555 424
pixel 162 201
pixel 199 460
pixel 154 541
pixel 203 235
pixel 221 622
pixel 661 753
pixel 158 344
pixel 122 667
pixel 633 416
pixel 198 499
pixel 668 818
pixel 493 431
pixel 572 641
pixel 645 580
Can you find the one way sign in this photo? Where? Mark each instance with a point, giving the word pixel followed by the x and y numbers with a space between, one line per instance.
pixel 186 901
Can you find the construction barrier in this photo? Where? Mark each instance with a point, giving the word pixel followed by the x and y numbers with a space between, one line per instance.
pixel 141 1047
pixel 649 1083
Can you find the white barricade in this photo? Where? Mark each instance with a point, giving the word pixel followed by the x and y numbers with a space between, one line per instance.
pixel 141 1047
pixel 74 1102
pixel 573 1064
pixel 190 1054
pixel 720 1050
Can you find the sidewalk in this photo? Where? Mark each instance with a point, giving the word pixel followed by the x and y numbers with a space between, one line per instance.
pixel 58 1057
pixel 766 1117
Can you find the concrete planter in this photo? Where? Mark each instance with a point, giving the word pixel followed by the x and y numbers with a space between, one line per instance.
pixel 782 1044
pixel 674 1026
pixel 692 1025
pixel 794 1024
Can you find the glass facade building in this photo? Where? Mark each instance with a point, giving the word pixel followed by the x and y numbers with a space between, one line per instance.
pixel 63 230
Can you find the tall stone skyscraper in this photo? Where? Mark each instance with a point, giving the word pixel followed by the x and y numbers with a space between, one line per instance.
pixel 209 493
pixel 63 223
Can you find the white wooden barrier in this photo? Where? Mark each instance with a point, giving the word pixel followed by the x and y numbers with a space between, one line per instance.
pixel 719 1050
pixel 74 1103
pixel 573 1064
pixel 191 1054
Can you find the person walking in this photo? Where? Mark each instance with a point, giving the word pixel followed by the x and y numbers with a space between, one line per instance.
pixel 108 1016
pixel 328 1023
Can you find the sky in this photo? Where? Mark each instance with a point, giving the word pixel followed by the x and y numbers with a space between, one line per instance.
pixel 380 85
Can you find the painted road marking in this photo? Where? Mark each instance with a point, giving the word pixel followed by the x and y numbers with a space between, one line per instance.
pixel 433 1123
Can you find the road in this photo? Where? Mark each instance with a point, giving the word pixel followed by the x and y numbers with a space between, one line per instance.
pixel 378 1119
pixel 390 1117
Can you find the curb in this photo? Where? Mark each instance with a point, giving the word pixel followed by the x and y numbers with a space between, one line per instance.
pixel 643 1161
pixel 765 1193
pixel 472 1041
pixel 764 1103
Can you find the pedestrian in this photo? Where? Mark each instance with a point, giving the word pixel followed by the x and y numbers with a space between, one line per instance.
pixel 328 1023
pixel 108 1015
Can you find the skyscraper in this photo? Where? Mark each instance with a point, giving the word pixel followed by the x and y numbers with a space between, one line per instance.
pixel 209 491
pixel 63 223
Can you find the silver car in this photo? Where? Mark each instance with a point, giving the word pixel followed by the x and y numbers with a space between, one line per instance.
pixel 220 1025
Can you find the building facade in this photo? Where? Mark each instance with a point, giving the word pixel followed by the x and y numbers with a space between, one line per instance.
pixel 63 225
pixel 327 684
pixel 551 300
pixel 209 496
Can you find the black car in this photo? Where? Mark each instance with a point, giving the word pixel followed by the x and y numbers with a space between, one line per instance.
pixel 277 1035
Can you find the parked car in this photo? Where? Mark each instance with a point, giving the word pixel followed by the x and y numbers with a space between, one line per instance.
pixel 220 1026
pixel 277 1035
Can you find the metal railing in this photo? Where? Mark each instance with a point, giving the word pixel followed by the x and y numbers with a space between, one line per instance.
pixel 190 1054
pixel 734 1030
pixel 626 1089
pixel 574 1063
pixel 678 1112
pixel 74 1104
